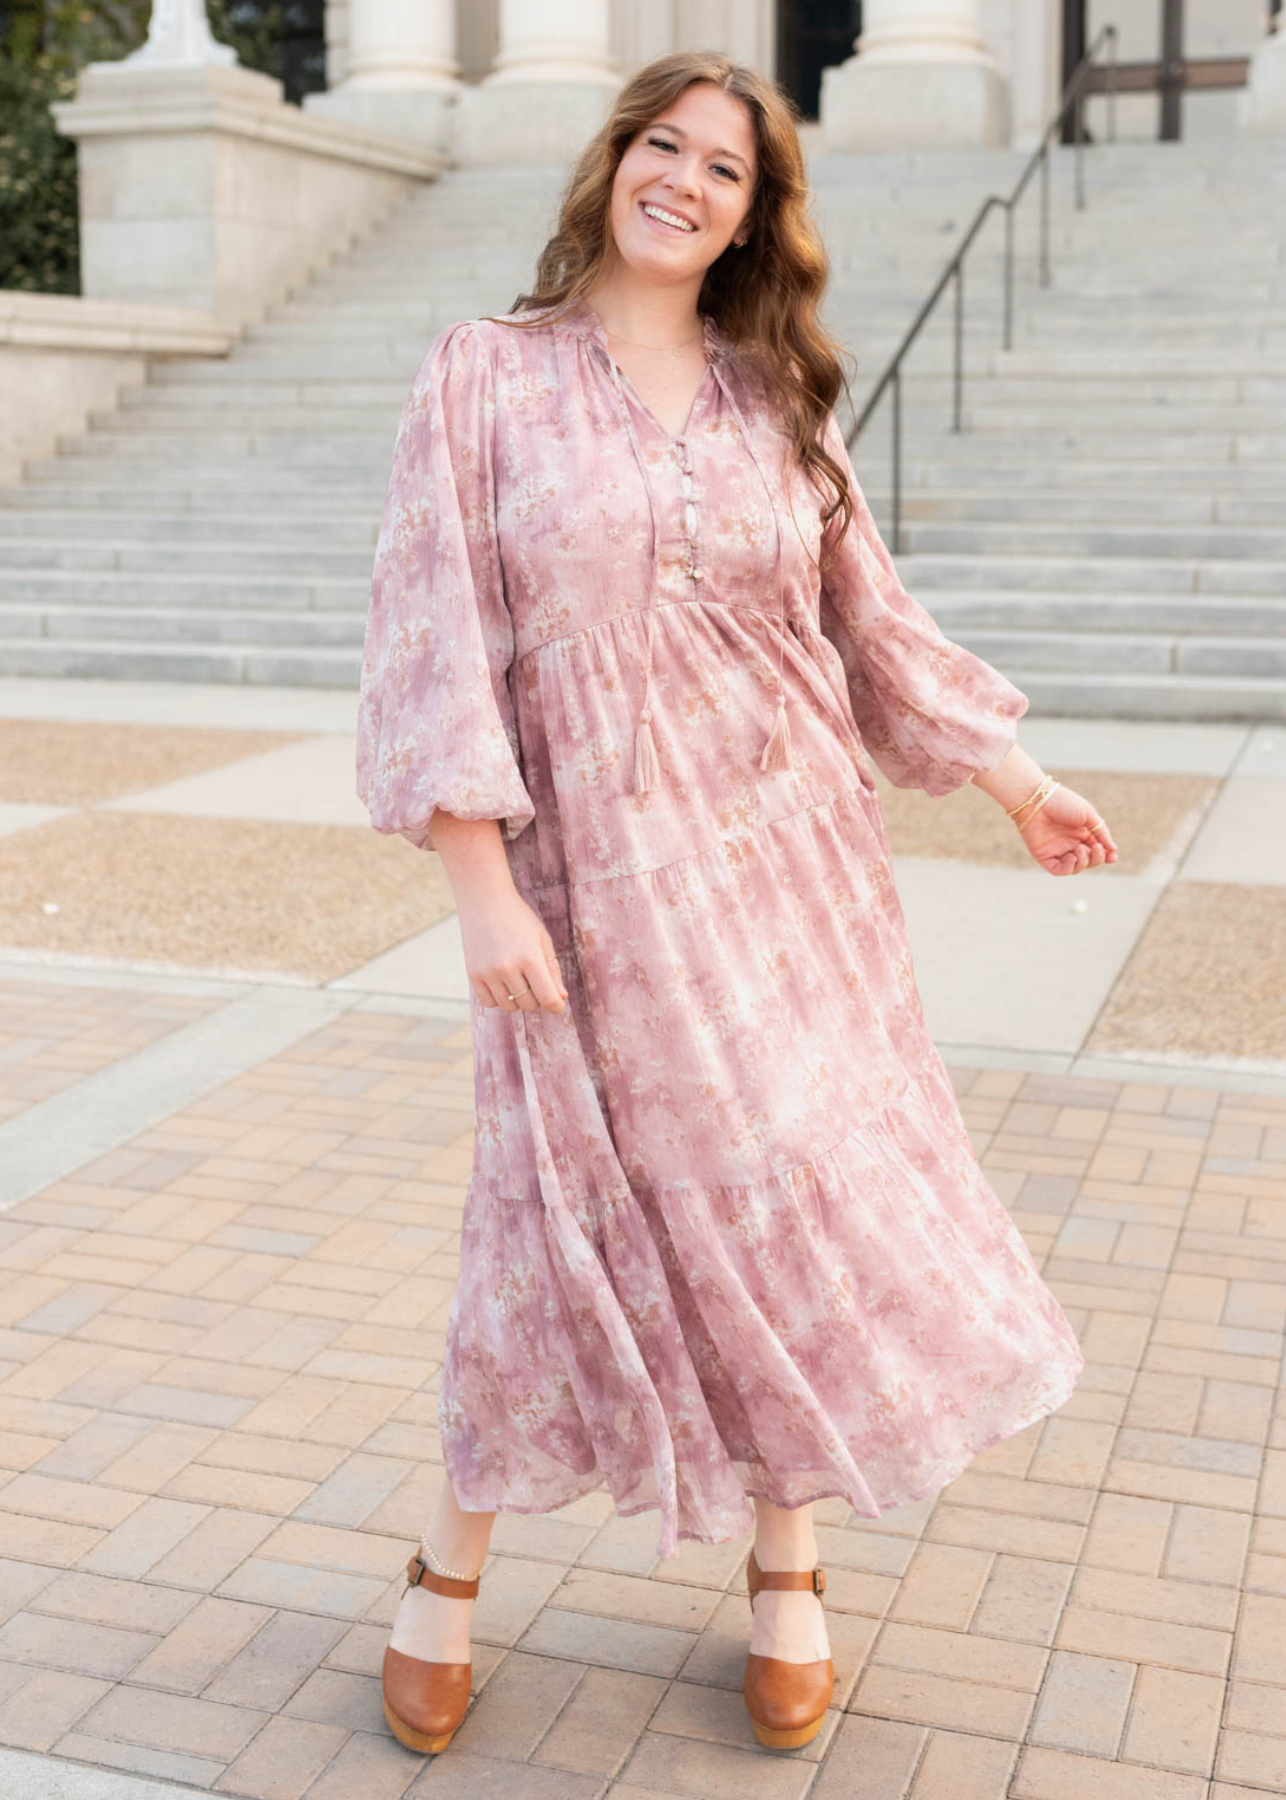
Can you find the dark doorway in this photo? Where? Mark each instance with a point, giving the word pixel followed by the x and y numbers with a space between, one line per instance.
pixel 812 35
pixel 1168 77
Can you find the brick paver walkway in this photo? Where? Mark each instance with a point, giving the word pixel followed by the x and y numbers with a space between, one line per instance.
pixel 217 1444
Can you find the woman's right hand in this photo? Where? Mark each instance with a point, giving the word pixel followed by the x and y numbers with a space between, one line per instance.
pixel 507 950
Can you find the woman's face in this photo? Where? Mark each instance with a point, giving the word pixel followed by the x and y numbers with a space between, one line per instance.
pixel 695 161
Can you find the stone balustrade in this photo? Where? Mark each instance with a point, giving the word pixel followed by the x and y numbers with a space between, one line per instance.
pixel 63 356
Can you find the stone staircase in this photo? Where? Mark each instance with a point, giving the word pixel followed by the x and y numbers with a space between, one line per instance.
pixel 1108 529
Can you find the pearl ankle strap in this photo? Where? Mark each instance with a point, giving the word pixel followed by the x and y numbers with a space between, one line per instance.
pixel 441 1567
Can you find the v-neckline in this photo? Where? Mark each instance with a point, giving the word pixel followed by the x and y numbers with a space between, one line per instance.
pixel 671 437
pixel 710 339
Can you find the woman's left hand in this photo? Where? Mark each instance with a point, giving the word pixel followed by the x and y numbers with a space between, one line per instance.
pixel 1062 837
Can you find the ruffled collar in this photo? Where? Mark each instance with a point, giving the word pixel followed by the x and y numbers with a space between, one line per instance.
pixel 580 319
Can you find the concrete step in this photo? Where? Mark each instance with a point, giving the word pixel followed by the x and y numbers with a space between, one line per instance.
pixel 215 509
pixel 1081 392
pixel 1140 615
pixel 239 664
pixel 370 359
pixel 119 626
pixel 210 378
pixel 948 469
pixel 999 415
pixel 89 470
pixel 269 419
pixel 1092 506
pixel 180 591
pixel 1146 362
pixel 1100 540
pixel 1124 653
pixel 27 528
pixel 322 394
pixel 1140 575
pixel 224 447
pixel 211 557
pixel 1158 446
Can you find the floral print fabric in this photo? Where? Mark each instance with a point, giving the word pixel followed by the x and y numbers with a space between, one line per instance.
pixel 725 1233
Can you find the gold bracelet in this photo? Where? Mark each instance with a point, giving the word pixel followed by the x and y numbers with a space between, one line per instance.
pixel 1035 800
pixel 1036 790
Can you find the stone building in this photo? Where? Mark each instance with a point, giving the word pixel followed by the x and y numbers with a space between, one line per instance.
pixel 892 74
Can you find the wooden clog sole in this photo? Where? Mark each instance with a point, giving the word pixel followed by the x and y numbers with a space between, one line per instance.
pixel 417 1740
pixel 787 1740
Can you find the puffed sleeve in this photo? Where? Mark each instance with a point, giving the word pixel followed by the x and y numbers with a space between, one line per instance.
pixel 930 713
pixel 435 723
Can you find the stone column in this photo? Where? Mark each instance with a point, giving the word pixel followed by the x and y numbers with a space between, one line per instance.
pixel 401 71
pixel 922 79
pixel 549 89
pixel 1035 69
pixel 1262 106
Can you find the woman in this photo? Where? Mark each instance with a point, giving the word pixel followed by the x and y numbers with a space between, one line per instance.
pixel 725 1239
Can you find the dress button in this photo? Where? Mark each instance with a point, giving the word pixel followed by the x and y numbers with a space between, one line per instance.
pixel 690 516
pixel 696 575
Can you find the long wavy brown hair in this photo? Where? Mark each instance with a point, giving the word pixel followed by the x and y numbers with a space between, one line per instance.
pixel 764 296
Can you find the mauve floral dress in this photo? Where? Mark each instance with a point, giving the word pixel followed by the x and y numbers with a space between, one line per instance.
pixel 725 1232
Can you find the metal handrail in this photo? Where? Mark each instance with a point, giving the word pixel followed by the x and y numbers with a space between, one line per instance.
pixel 892 376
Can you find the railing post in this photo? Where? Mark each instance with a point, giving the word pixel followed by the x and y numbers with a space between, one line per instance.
pixel 1073 96
pixel 959 346
pixel 897 460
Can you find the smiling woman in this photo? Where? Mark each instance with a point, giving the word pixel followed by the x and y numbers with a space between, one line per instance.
pixel 634 642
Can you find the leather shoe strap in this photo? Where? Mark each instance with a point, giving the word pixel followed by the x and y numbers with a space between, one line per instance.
pixel 419 1574
pixel 757 1578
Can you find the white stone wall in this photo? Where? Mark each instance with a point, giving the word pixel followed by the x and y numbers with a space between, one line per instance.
pixel 61 356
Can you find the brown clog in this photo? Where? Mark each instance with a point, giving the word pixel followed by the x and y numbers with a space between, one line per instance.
pixel 787 1701
pixel 424 1702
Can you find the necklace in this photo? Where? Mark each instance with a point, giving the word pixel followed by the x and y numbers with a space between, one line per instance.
pixel 672 349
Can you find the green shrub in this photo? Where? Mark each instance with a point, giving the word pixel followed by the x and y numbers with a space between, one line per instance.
pixel 39 238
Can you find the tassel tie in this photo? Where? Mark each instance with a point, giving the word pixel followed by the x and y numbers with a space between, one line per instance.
pixel 776 753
